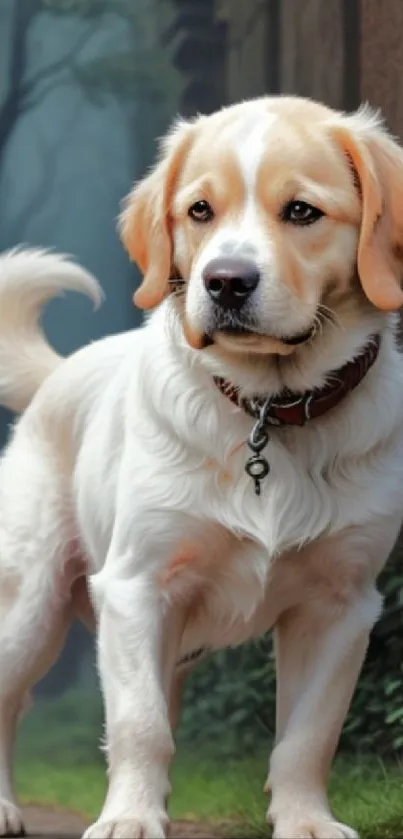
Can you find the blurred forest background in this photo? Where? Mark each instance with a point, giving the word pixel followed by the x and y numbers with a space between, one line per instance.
pixel 86 87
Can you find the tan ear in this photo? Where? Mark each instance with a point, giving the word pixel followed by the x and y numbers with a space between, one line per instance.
pixel 144 224
pixel 377 161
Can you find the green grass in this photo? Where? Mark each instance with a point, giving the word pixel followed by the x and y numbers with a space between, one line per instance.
pixel 78 788
pixel 58 764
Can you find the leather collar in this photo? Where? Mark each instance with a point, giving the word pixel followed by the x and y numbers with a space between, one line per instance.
pixel 289 408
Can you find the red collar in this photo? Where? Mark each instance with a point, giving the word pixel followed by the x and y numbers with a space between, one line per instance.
pixel 295 408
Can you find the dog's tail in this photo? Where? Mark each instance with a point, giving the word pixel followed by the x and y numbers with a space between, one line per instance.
pixel 28 279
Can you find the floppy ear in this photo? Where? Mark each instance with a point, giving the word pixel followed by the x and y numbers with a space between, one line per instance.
pixel 377 161
pixel 144 224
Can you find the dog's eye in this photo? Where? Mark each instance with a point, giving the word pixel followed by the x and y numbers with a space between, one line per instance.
pixel 299 212
pixel 201 211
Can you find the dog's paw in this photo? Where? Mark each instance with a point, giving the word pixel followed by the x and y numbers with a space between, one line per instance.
pixel 148 827
pixel 322 826
pixel 11 823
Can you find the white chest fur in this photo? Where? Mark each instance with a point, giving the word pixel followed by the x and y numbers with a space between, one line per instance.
pixel 179 466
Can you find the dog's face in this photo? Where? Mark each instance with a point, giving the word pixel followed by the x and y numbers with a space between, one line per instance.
pixel 275 214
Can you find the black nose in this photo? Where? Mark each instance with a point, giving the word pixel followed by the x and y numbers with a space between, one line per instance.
pixel 230 281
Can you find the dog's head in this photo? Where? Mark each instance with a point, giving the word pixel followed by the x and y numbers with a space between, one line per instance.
pixel 271 212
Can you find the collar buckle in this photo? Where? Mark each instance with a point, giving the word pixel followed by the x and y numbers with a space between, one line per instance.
pixel 257 466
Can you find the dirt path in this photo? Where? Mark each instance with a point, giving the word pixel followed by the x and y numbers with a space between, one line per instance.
pixel 43 822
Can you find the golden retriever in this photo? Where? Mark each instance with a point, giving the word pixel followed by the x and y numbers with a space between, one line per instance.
pixel 235 465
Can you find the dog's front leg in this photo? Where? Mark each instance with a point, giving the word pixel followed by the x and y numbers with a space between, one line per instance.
pixel 320 651
pixel 134 677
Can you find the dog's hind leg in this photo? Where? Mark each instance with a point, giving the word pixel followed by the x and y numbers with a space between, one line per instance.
pixel 31 635
pixel 35 596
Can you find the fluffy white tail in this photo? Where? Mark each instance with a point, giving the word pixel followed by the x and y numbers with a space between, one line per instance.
pixel 28 279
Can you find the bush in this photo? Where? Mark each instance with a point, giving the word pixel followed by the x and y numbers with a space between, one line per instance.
pixel 230 698
pixel 375 721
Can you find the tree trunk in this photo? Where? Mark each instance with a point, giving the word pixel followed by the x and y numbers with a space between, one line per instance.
pixel 22 12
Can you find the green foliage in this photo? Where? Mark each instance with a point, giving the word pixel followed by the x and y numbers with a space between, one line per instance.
pixel 230 698
pixel 375 721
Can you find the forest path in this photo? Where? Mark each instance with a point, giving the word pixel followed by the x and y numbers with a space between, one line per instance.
pixel 41 822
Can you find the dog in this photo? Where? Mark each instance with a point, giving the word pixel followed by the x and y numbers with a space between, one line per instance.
pixel 233 466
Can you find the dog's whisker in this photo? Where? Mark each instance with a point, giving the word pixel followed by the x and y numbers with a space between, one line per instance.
pixel 317 327
pixel 328 316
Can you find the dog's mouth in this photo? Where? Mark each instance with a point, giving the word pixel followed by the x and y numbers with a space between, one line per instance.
pixel 300 338
pixel 243 336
